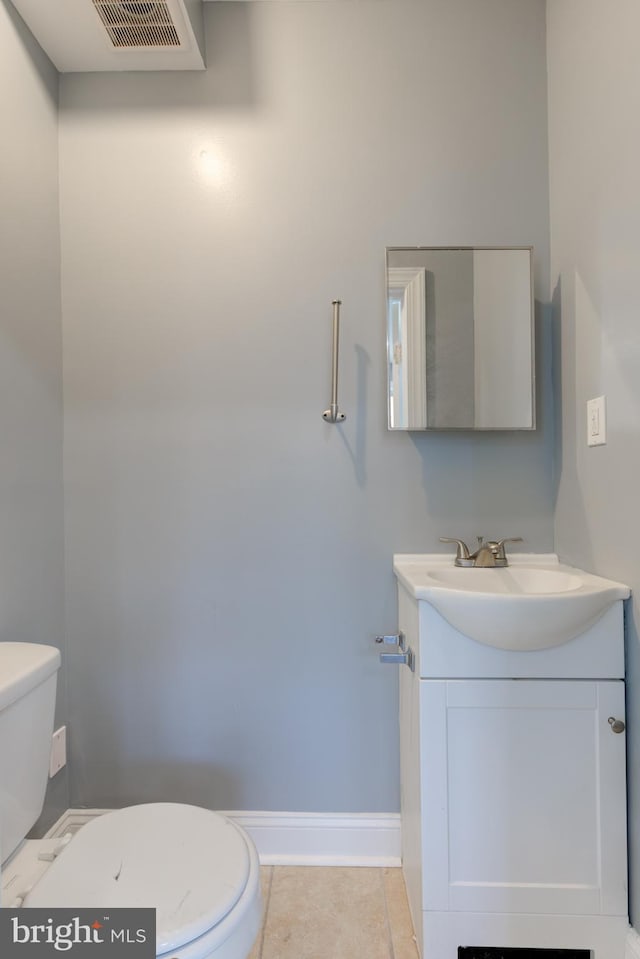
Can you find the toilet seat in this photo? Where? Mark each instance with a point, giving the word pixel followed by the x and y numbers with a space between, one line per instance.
pixel 197 868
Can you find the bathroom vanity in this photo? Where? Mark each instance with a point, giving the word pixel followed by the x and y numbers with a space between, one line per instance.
pixel 513 759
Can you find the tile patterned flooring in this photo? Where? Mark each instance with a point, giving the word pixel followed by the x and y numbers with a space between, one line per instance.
pixel 318 912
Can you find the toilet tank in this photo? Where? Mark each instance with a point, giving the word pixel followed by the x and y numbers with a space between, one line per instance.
pixel 28 674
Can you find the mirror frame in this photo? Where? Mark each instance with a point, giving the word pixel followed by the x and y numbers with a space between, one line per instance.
pixel 460 429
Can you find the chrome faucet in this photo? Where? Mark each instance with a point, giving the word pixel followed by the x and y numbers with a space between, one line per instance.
pixel 488 555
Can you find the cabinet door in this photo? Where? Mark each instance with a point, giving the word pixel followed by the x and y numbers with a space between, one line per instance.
pixel 523 797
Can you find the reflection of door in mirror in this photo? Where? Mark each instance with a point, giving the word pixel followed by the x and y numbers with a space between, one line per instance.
pixel 460 338
pixel 407 339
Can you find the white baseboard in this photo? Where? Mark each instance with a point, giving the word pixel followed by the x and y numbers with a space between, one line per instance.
pixel 329 839
pixel 301 839
pixel 72 820
pixel 632 948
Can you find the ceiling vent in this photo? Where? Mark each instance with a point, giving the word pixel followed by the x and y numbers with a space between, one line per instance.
pixel 138 24
pixel 98 35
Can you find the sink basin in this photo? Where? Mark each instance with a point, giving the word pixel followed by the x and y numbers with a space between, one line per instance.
pixel 514 580
pixel 534 603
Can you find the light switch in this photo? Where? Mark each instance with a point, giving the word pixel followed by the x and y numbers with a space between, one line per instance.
pixel 596 421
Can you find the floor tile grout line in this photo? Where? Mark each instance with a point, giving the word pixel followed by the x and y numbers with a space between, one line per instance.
pixel 387 918
pixel 265 913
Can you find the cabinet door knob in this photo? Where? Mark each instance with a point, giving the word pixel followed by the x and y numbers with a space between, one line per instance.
pixel 616 724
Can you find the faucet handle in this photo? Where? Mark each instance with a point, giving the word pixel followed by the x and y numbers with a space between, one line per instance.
pixel 462 551
pixel 498 548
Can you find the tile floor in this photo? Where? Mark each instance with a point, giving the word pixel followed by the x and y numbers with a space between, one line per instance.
pixel 317 912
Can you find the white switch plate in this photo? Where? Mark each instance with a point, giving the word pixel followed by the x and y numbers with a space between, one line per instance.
pixel 596 421
pixel 58 751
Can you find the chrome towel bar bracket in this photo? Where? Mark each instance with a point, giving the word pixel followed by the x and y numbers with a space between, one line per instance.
pixel 333 414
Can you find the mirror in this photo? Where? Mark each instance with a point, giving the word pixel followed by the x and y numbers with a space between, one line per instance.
pixel 460 338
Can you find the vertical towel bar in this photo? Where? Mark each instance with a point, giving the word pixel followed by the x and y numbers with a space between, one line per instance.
pixel 333 415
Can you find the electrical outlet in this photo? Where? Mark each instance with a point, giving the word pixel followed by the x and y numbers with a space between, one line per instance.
pixel 58 751
pixel 596 422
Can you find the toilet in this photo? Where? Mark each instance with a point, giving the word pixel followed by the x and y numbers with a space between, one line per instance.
pixel 198 869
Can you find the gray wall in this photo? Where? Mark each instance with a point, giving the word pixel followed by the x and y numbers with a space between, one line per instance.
pixel 228 553
pixel 31 526
pixel 594 77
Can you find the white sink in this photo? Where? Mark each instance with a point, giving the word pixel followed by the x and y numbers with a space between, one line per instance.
pixel 534 603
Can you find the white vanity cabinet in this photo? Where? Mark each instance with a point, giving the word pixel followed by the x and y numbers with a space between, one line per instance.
pixel 513 789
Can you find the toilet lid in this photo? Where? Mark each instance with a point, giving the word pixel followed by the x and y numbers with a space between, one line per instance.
pixel 189 863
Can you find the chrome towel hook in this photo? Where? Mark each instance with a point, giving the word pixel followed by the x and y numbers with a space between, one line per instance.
pixel 333 415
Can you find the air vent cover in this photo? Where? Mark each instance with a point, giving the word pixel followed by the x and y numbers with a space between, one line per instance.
pixel 91 35
pixel 132 23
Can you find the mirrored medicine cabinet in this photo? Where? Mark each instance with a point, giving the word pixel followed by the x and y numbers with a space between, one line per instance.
pixel 460 338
